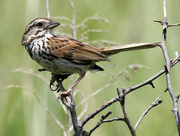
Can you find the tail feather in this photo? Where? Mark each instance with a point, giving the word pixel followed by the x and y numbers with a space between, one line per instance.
pixel 136 46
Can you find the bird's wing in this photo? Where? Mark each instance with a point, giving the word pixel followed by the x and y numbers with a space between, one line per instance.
pixel 73 49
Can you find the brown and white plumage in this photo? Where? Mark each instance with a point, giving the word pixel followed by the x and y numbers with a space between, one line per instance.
pixel 64 56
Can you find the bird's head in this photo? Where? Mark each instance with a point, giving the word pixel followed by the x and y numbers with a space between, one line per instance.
pixel 38 28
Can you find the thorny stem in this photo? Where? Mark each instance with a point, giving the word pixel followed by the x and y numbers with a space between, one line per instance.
pixel 164 24
pixel 168 78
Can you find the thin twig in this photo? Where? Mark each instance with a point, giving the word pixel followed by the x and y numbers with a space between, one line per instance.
pixel 95 112
pixel 47 9
pixel 170 25
pixel 39 101
pixel 95 17
pixel 32 72
pixel 63 18
pixel 178 96
pixel 164 8
pixel 103 120
pixel 100 122
pixel 103 42
pixel 154 103
pixel 74 28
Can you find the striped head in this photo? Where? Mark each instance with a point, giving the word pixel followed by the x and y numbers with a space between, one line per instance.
pixel 37 28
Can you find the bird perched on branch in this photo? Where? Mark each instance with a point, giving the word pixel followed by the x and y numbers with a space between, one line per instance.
pixel 64 56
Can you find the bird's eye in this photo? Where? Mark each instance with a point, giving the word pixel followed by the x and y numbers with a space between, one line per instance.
pixel 40 24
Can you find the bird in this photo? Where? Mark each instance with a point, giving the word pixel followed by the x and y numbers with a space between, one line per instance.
pixel 63 55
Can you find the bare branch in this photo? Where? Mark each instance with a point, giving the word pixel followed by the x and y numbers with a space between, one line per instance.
pixel 100 122
pixel 121 98
pixel 178 24
pixel 164 8
pixel 71 107
pixel 150 80
pixel 63 18
pixel 178 96
pixel 154 103
pixel 164 24
pixel 95 112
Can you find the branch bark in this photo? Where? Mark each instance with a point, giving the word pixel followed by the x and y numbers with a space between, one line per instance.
pixel 121 98
pixel 165 25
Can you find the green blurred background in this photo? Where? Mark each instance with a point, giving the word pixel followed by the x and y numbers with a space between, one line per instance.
pixel 130 21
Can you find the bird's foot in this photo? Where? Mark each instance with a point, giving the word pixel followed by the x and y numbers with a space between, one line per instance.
pixel 65 93
pixel 53 79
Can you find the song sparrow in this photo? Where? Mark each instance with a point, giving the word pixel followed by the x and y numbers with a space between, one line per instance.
pixel 64 56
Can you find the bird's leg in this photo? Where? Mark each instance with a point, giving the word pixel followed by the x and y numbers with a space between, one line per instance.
pixel 61 87
pixel 66 93
pixel 59 79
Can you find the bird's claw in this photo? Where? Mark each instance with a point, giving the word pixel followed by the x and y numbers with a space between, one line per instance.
pixel 65 93
pixel 40 70
pixel 56 89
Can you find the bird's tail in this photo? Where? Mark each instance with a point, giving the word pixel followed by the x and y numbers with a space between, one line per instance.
pixel 135 46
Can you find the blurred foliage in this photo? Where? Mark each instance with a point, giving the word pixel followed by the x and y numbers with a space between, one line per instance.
pixel 130 21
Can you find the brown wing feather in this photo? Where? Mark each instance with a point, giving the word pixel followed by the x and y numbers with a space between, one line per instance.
pixel 70 48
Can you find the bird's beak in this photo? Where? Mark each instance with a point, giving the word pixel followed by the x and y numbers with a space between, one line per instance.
pixel 53 24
